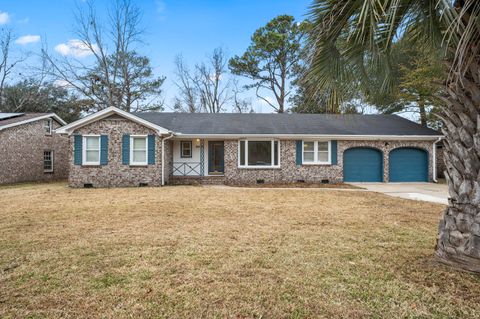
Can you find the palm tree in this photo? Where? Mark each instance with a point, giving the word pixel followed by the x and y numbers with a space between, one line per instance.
pixel 353 39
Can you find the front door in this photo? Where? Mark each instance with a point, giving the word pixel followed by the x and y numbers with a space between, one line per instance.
pixel 215 157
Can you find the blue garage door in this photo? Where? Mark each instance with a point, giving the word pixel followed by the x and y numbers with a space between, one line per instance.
pixel 362 165
pixel 408 165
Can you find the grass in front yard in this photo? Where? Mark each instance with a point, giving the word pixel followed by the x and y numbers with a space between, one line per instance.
pixel 180 252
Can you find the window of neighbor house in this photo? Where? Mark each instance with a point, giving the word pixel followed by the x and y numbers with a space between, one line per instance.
pixel 259 154
pixel 316 152
pixel 138 150
pixel 186 149
pixel 48 161
pixel 47 126
pixel 91 150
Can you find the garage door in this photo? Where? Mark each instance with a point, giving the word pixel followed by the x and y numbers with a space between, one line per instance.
pixel 408 165
pixel 362 165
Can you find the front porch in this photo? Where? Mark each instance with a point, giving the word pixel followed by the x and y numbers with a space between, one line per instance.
pixel 197 161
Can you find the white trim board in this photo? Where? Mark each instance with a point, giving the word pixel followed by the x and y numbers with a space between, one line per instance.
pixel 42 117
pixel 68 129
pixel 313 136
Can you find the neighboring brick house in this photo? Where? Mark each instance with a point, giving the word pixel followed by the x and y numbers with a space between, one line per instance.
pixel 114 148
pixel 30 150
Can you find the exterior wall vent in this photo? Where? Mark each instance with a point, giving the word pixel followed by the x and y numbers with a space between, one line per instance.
pixel 88 185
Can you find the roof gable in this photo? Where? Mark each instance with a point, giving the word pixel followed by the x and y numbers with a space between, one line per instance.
pixel 110 111
pixel 25 118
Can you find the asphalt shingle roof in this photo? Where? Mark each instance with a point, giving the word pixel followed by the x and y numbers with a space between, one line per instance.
pixel 315 124
pixel 22 117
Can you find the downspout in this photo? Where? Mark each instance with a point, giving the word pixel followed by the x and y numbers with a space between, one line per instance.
pixel 435 159
pixel 163 156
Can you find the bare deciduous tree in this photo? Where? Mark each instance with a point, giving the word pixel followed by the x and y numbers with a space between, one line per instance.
pixel 119 76
pixel 7 63
pixel 240 105
pixel 214 92
pixel 187 99
pixel 205 89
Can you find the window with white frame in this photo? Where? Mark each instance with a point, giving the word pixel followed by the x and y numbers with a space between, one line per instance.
pixel 91 150
pixel 47 126
pixel 316 152
pixel 138 150
pixel 48 161
pixel 186 149
pixel 258 154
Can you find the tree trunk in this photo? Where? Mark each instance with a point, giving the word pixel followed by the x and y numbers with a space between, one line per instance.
pixel 458 242
pixel 423 112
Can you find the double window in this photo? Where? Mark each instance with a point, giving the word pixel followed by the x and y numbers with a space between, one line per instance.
pixel 316 152
pixel 259 154
pixel 47 126
pixel 48 161
pixel 138 150
pixel 186 149
pixel 91 150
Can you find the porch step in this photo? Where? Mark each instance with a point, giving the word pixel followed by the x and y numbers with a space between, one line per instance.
pixel 196 180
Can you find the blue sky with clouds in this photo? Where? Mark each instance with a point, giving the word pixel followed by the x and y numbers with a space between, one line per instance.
pixel 190 27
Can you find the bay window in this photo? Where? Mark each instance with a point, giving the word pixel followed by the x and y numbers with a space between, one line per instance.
pixel 316 152
pixel 259 154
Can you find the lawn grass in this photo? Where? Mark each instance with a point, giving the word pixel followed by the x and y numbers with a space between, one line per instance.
pixel 190 252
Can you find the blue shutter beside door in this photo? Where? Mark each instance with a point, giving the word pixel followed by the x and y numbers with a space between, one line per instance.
pixel 298 160
pixel 333 145
pixel 77 150
pixel 151 149
pixel 126 149
pixel 103 149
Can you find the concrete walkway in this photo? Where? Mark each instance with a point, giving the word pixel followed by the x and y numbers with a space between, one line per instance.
pixel 430 192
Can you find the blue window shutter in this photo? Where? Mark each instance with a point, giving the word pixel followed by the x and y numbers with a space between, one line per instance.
pixel 333 144
pixel 103 149
pixel 151 149
pixel 126 149
pixel 298 160
pixel 77 149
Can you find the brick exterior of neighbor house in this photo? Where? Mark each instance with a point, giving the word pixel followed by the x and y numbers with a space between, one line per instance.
pixel 289 172
pixel 115 173
pixel 21 153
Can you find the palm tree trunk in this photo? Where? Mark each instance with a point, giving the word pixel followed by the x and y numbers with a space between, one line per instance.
pixel 459 231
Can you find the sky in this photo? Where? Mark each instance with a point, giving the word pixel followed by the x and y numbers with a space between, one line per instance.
pixel 192 28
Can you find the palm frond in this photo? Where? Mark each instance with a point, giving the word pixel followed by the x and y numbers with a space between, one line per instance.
pixel 352 41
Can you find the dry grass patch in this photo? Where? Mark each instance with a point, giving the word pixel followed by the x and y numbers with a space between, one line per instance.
pixel 180 252
pixel 305 185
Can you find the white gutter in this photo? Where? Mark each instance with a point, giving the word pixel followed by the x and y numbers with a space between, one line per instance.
pixel 316 136
pixel 163 156
pixel 434 159
pixel 42 117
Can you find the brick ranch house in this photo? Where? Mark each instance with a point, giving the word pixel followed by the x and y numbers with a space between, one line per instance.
pixel 113 148
pixel 30 150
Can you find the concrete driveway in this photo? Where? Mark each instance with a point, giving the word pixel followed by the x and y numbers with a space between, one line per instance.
pixel 430 192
